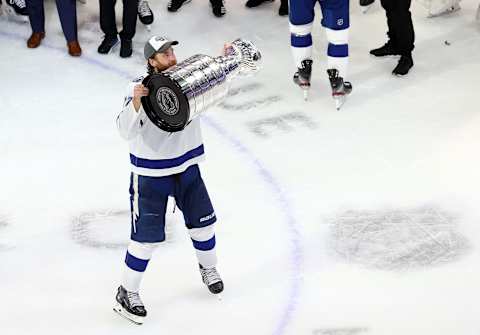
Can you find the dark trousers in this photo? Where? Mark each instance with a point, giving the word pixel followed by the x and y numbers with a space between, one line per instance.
pixel 67 10
pixel 129 21
pixel 400 25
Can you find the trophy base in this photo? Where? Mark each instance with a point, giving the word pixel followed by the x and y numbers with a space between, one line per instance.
pixel 166 105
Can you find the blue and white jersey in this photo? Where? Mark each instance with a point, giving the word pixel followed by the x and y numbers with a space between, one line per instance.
pixel 154 152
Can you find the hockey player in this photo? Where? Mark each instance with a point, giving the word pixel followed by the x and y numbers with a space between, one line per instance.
pixel 218 6
pixel 145 14
pixel 163 164
pixel 336 23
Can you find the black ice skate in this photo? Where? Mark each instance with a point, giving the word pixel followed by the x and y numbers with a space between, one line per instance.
pixel 255 3
pixel 366 4
pixel 175 5
pixel 129 305
pixel 211 278
pixel 340 88
pixel 303 75
pixel 145 14
pixel 218 8
pixel 16 7
pixel 283 10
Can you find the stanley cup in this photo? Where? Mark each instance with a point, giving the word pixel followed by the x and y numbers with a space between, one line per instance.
pixel 187 89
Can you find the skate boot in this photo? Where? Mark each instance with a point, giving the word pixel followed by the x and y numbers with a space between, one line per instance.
pixel 255 3
pixel 175 5
pixel 129 305
pixel 340 88
pixel 218 8
pixel 145 14
pixel 211 278
pixel 365 5
pixel 303 75
pixel 17 7
pixel 283 10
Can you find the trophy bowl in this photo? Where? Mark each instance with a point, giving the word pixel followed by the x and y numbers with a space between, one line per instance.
pixel 184 91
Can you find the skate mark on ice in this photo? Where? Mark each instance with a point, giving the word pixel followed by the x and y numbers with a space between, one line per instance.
pixel 398 239
pixel 97 229
pixel 339 331
pixel 250 104
pixel 284 205
pixel 283 123
pixel 4 224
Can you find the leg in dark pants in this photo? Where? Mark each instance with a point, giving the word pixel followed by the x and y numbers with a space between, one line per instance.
pixel 107 18
pixel 36 14
pixel 400 25
pixel 67 11
pixel 129 19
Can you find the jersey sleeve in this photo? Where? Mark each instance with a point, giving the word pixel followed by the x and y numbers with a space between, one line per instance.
pixel 130 121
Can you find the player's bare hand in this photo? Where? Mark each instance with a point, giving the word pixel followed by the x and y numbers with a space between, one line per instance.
pixel 140 91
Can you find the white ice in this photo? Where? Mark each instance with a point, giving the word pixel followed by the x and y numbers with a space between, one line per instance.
pixel 397 144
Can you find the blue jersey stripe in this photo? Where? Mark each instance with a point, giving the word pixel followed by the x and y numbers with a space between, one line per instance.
pixel 166 163
pixel 205 245
pixel 135 263
pixel 337 50
pixel 301 41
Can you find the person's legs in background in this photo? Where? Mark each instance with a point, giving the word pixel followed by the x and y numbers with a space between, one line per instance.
pixel 36 14
pixel 67 11
pixel 129 26
pixel 108 26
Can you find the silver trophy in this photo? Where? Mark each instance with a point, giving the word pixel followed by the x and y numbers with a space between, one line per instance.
pixel 187 89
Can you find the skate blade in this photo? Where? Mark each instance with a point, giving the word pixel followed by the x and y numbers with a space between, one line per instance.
pixel 305 95
pixel 138 320
pixel 365 9
pixel 339 101
pixel 148 27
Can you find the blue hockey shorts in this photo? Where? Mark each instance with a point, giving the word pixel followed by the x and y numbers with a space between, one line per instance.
pixel 148 202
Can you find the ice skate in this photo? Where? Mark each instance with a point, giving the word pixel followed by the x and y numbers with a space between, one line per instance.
pixel 211 278
pixel 340 88
pixel 303 75
pixel 145 14
pixel 16 10
pixel 130 306
pixel 175 5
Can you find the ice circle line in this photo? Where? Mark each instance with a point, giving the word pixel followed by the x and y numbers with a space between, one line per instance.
pixel 296 252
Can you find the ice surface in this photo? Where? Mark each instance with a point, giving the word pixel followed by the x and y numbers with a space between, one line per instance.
pixel 280 172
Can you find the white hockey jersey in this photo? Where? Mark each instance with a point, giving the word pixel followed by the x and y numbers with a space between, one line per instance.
pixel 154 152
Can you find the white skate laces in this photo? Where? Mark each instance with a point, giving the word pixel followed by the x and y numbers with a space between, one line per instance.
pixel 210 276
pixel 19 3
pixel 144 9
pixel 134 299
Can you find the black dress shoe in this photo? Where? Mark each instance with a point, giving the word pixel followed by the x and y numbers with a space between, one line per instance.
pixel 125 48
pixel 386 50
pixel 404 65
pixel 107 44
